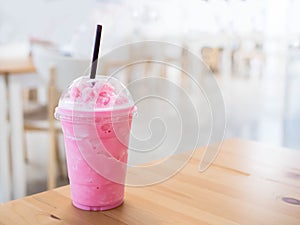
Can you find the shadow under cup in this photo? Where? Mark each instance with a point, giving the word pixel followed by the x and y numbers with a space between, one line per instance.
pixel 96 150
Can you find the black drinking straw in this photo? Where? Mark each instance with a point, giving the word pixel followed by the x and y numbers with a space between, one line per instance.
pixel 96 52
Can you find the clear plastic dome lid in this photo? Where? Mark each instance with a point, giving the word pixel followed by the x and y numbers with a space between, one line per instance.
pixel 103 93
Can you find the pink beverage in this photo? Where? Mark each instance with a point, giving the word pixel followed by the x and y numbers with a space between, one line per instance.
pixel 96 118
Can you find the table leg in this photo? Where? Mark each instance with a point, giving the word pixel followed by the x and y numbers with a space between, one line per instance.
pixel 5 190
pixel 16 121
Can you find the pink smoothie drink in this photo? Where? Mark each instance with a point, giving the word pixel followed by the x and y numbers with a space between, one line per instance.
pixel 96 118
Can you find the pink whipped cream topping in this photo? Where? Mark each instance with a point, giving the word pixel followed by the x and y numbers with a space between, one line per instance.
pixel 103 95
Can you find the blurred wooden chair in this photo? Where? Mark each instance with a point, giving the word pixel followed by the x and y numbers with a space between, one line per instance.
pixel 248 59
pixel 212 58
pixel 57 72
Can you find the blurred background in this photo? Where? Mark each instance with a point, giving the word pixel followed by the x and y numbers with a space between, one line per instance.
pixel 251 46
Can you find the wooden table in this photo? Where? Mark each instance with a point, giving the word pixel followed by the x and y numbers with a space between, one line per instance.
pixel 249 183
pixel 16 66
pixel 11 102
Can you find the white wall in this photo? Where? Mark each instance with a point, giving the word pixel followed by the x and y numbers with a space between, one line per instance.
pixel 58 19
pixel 47 19
pixel 73 22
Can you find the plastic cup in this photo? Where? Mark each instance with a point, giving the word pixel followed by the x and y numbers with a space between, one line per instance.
pixel 96 118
